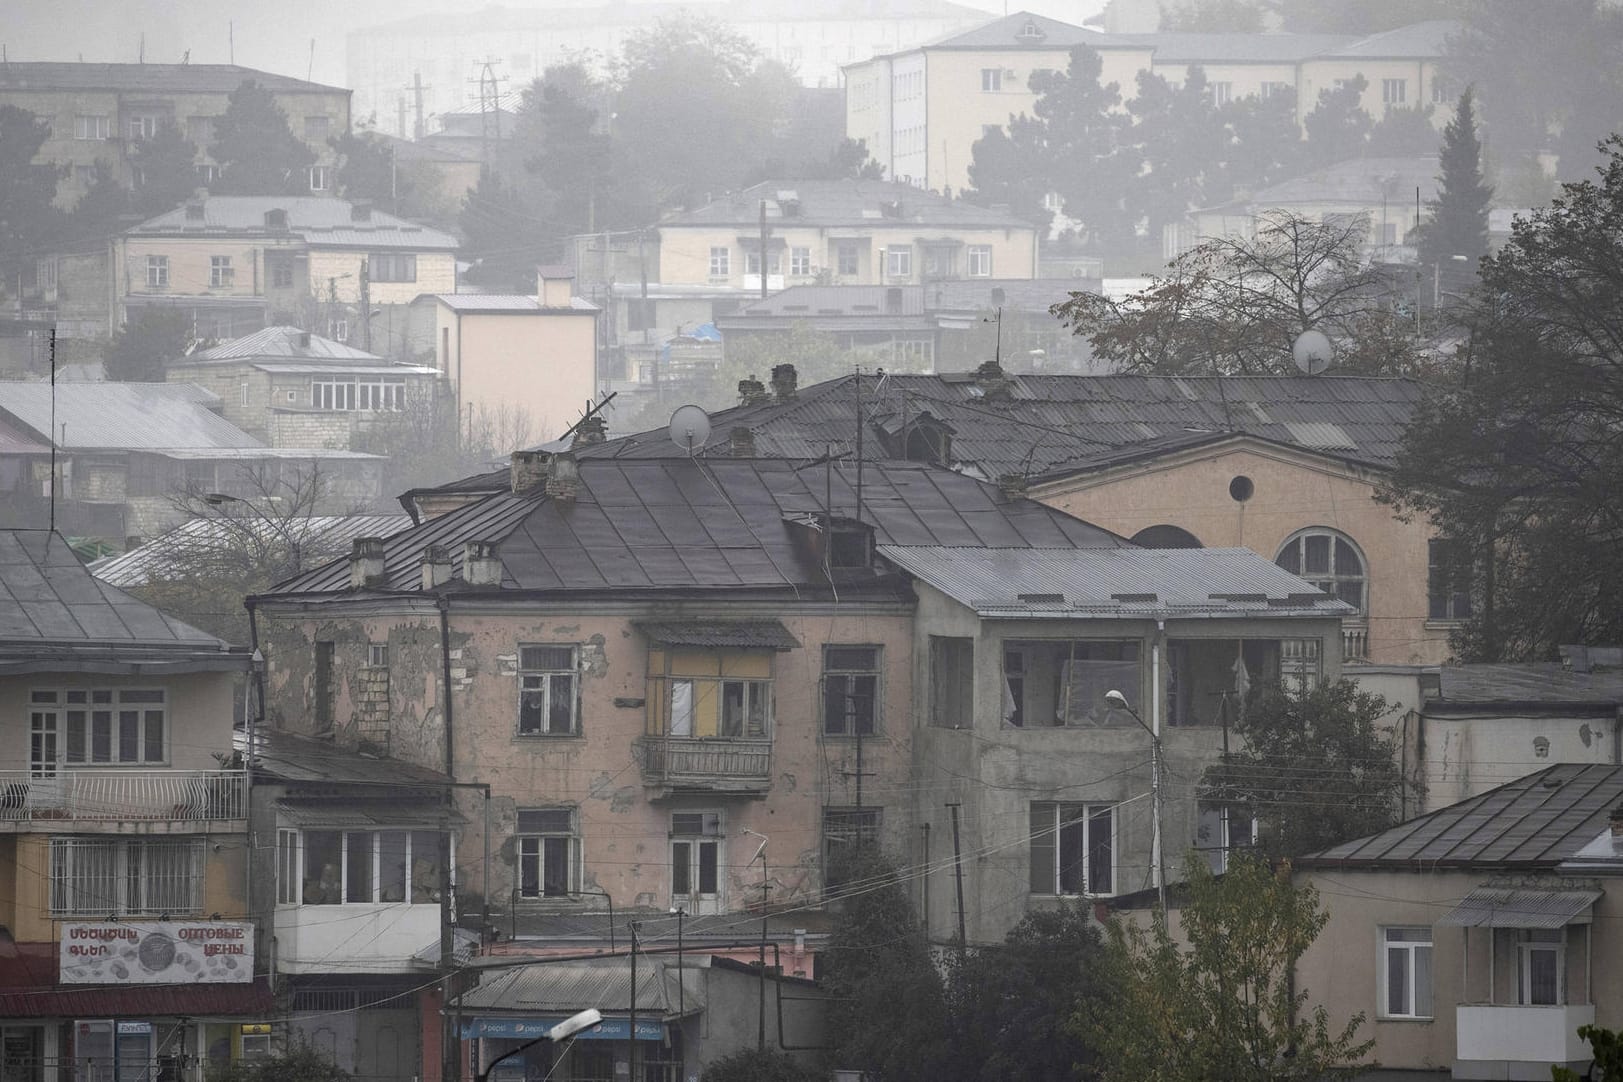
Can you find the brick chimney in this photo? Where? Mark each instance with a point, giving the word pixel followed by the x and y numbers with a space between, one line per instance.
pixel 785 382
pixel 528 472
pixel 752 392
pixel 563 478
pixel 366 563
pixel 556 286
pixel 741 442
pixel 1012 485
pixel 994 384
pixel 481 566
pixel 437 566
pixel 1616 820
pixel 593 429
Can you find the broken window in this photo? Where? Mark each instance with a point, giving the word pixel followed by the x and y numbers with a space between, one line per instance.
pixel 850 690
pixel 1063 683
pixel 952 681
pixel 548 852
pixel 1073 848
pixel 547 691
pixel 1210 681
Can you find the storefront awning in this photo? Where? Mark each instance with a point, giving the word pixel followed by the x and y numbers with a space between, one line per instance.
pixel 146 1001
pixel 713 634
pixel 1519 907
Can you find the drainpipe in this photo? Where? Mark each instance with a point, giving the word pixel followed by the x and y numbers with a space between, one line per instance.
pixel 1155 731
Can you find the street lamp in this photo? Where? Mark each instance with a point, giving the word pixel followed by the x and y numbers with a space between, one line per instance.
pixel 1119 701
pixel 564 1030
pixel 220 499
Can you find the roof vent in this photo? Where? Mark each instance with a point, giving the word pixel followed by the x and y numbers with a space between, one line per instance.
pixel 304 339
pixel 276 219
pixel 1030 33
pixel 360 211
pixel 194 210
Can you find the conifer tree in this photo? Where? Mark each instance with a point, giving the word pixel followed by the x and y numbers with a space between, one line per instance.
pixel 1459 222
pixel 257 151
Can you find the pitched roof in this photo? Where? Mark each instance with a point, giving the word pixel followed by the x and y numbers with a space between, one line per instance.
pixel 123 416
pixel 284 342
pixel 1533 822
pixel 1367 181
pixel 1423 40
pixel 320 537
pixel 866 204
pixel 1186 48
pixel 572 986
pixel 1547 684
pixel 714 524
pixel 55 616
pixel 284 756
pixel 321 222
pixel 149 78
pixel 819 302
pixel 505 303
pixel 1023 30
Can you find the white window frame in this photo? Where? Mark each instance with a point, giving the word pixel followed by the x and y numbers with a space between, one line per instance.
pixel 1410 949
pixel 221 274
pixel 320 178
pixel 848 259
pixel 294 864
pixel 92 126
pixel 693 835
pixel 532 846
pixel 800 262
pixel 142 126
pixel 1530 941
pixel 377 655
pixel 91 724
pixel 991 80
pixel 547 682
pixel 157 272
pixel 978 261
pixel 721 262
pixel 319 121
pixel 97 876
pixel 333 394
pixel 1330 579
pixel 899 261
pixel 1049 818
pixel 1222 92
pixel 288 879
pixel 392 266
pixel 1394 91
pixel 380 395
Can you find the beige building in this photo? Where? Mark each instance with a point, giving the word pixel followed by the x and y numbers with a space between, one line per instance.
pixel 236 264
pixel 841 232
pixel 101 112
pixel 515 360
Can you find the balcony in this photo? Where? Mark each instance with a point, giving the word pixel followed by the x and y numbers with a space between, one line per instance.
pixel 133 800
pixel 356 937
pixel 689 764
pixel 1490 1038
pixel 1354 640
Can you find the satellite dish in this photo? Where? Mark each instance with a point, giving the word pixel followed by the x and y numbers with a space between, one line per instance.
pixel 690 428
pixel 1312 352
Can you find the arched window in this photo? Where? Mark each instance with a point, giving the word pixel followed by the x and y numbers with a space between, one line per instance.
pixel 1330 561
pixel 1166 537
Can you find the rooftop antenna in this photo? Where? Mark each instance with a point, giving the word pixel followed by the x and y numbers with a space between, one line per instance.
pixel 53 429
pixel 690 428
pixel 310 71
pixel 231 41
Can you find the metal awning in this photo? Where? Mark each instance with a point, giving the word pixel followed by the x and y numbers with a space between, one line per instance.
pixel 368 815
pixel 712 634
pixel 1520 907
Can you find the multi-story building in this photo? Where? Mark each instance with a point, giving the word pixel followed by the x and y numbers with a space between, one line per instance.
pixel 237 264
pixel 123 834
pixel 841 232
pixel 100 112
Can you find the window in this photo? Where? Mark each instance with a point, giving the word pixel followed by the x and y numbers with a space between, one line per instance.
pixel 138 128
pixel 84 175
pixel 1210 681
pixel 980 261
pixel 720 262
pixel 1539 967
pixel 320 178
pixel 846 259
pixel 206 174
pixel 1328 560
pixel 392 266
pixel 1222 93
pixel 548 852
pixel 157 272
pixel 220 273
pixel 1272 89
pixel 1448 580
pixel 991 79
pixel 92 127
pixel 287 867
pixel 377 655
pixel 331 395
pixel 1072 848
pixel 952 681
pixel 850 690
pixel 1048 683
pixel 100 725
pixel 359 867
pixel 547 691
pixel 1406 972
pixel 324 683
pixel 1394 91
pixel 846 831
pixel 338 330
pixel 696 860
pixel 381 394
pixel 752 263
pixel 899 262
pixel 800 261
pixel 701 695
pixel 281 273
pixel 317 129
pixel 1220 829
pixel 92 877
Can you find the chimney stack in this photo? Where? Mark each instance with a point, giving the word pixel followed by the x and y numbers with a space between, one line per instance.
pixel 563 478
pixel 784 382
pixel 1012 485
pixel 741 442
pixel 593 429
pixel 1617 827
pixel 994 385
pixel 437 566
pixel 752 392
pixel 556 286
pixel 527 471
pixel 481 566
pixel 360 210
pixel 366 563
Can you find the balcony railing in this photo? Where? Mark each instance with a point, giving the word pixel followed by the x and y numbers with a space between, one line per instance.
pixel 1493 1035
pixel 123 795
pixel 720 765
pixel 1354 640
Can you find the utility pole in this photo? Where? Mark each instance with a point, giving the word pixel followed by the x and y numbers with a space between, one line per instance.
pixel 417 88
pixel 632 1053
pixel 958 874
pixel 763 250
pixel 366 304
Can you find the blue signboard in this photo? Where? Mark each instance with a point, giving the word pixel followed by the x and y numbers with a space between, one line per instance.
pixel 533 1026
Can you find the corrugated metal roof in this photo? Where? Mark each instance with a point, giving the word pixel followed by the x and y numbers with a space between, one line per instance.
pixel 372 814
pixel 14 441
pixel 284 756
pixel 329 222
pixel 575 986
pixel 1127 583
pixel 510 303
pixel 149 78
pixel 841 203
pixel 283 342
pixel 123 416
pixel 1521 907
pixel 743 634
pixel 1009 32
pixel 1529 682
pixel 1533 822
pixel 320 537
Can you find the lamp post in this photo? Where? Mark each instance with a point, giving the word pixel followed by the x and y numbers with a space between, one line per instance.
pixel 220 499
pixel 760 854
pixel 564 1030
pixel 1119 701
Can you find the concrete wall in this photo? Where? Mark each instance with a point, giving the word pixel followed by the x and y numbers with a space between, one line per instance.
pixel 541 363
pixel 337 272
pixel 1318 75
pixel 1468 753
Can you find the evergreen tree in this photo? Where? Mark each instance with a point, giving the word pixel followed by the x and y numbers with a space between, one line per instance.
pixel 1338 127
pixel 1459 215
pixel 165 171
pixel 503 234
pixel 1180 135
pixel 1402 133
pixel 97 212
pixel 257 151
pixel 366 170
pixel 28 220
pixel 1082 135
pixel 137 352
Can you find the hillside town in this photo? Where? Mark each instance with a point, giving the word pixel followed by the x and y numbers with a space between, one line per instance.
pixel 857 541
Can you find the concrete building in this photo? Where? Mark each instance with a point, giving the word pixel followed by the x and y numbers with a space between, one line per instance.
pixel 99 113
pixel 123 832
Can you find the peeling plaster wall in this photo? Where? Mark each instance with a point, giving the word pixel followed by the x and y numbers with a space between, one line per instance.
pixel 1468 755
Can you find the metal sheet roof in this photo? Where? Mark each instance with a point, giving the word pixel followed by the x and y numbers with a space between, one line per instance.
pixel 575 986
pixel 1533 822
pixel 288 757
pixel 1529 682
pixel 1036 583
pixel 1521 907
pixel 369 815
pixel 164 79
pixel 283 342
pixel 123 416
pixel 746 634
pixel 843 203
pixel 320 537
pixel 329 222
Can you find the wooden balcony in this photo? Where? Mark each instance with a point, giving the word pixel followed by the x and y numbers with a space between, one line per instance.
pixel 674 764
pixel 127 800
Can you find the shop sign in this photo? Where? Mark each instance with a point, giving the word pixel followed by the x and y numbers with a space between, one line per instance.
pixel 610 1029
pixel 157 952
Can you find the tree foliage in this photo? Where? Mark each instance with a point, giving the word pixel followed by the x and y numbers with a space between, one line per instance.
pixel 1459 215
pixel 1315 767
pixel 1224 1006
pixel 1212 17
pixel 503 234
pixel 1605 1046
pixel 165 170
pixel 1518 465
pixel 1235 305
pixel 301 1063
pixel 749 1065
pixel 98 210
pixel 257 152
pixel 1337 127
pixel 28 220
pixel 137 353
pixel 366 171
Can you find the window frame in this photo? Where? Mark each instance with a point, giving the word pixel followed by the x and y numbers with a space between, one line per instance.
pixel 1526 946
pixel 851 726
pixel 1088 813
pixel 991 80
pixel 320 177
pixel 412 892
pixel 1332 574
pixel 847 259
pixel 800 262
pixel 88 725
pixel 957 670
pixel 546 678
pixel 524 841
pixel 157 271
pixel 122 875
pixel 1448 581
pixel 709 837
pixel 1394 91
pixel 392 266
pixel 1410 948
pixel 222 275
pixel 721 261
pixel 978 261
pixel 899 261
pixel 865 824
pixel 92 127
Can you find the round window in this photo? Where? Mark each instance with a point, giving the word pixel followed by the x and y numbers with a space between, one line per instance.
pixel 1241 488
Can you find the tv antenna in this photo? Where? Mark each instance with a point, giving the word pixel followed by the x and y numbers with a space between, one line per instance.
pixel 1312 352
pixel 690 428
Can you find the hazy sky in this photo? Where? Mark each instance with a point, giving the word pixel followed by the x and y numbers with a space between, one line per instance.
pixel 273 35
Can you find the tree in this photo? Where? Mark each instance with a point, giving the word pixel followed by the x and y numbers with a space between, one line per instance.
pixel 1402 133
pixel 366 171
pixel 257 152
pixel 1226 1006
pixel 1212 17
pixel 1315 767
pixel 137 353
pixel 750 1065
pixel 876 961
pixel 1181 138
pixel 165 168
pixel 1338 127
pixel 1459 214
pixel 1011 1005
pixel 502 233
pixel 1077 122
pixel 301 1063
pixel 575 156
pixel 1606 1047
pixel 849 160
pixel 1516 467
pixel 1011 170
pixel 28 220
pixel 1235 305
pixel 1367 17
pixel 97 213
pixel 1266 142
